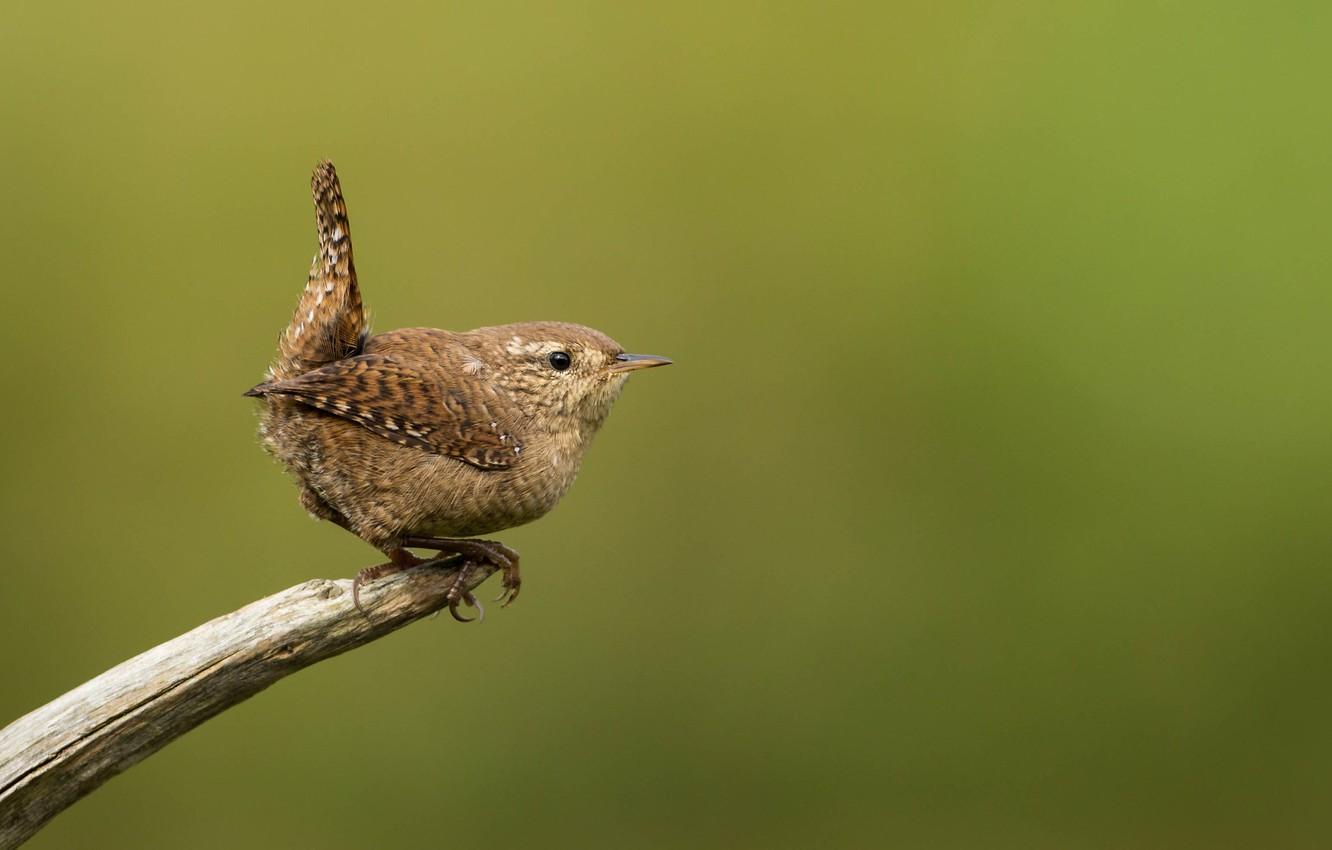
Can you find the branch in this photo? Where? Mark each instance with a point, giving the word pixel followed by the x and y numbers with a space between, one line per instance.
pixel 51 757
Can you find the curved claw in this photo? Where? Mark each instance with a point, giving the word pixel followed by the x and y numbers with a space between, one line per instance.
pixel 471 601
pixel 507 595
pixel 507 560
pixel 370 574
pixel 453 612
pixel 513 582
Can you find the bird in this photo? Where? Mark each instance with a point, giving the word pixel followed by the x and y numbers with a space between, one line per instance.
pixel 420 438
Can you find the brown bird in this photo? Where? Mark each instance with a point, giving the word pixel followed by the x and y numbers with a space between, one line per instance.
pixel 418 437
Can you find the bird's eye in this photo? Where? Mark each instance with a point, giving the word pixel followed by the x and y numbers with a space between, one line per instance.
pixel 560 360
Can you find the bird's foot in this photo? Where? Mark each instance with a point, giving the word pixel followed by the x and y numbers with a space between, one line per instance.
pixel 458 594
pixel 511 580
pixel 479 552
pixel 399 560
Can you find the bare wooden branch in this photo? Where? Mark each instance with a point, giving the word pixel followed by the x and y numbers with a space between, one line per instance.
pixel 63 750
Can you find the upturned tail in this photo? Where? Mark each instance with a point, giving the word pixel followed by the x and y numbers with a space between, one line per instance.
pixel 329 322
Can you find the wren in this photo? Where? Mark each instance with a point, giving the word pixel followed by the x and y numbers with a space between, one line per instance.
pixel 419 438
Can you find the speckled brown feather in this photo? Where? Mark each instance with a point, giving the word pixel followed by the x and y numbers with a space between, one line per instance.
pixel 406 403
pixel 329 322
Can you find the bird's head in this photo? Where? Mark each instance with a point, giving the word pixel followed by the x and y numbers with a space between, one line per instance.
pixel 561 372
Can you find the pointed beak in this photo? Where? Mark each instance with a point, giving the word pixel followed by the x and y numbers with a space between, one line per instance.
pixel 634 362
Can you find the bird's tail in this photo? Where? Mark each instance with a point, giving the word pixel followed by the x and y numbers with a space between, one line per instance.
pixel 329 322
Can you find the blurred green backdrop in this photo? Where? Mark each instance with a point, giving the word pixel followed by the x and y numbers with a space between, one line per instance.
pixel 987 505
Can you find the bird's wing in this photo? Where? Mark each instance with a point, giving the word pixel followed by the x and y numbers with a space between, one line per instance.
pixel 329 322
pixel 401 403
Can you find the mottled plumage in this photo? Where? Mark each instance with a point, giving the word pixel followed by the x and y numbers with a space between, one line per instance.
pixel 408 402
pixel 329 322
pixel 415 436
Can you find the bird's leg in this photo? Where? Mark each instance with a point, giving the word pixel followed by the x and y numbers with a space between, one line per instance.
pixel 480 552
pixel 399 559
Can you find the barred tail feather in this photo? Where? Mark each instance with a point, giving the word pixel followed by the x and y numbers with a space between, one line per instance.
pixel 329 322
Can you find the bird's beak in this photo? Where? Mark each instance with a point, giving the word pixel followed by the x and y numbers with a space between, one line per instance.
pixel 634 362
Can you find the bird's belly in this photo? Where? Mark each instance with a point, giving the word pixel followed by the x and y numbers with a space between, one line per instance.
pixel 386 491
pixel 467 501
pixel 471 523
pixel 454 526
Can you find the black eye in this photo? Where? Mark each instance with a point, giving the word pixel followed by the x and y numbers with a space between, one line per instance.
pixel 560 360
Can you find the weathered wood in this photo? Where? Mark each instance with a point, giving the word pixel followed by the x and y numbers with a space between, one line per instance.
pixel 53 756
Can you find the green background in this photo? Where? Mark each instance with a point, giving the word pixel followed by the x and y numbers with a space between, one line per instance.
pixel 986 506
